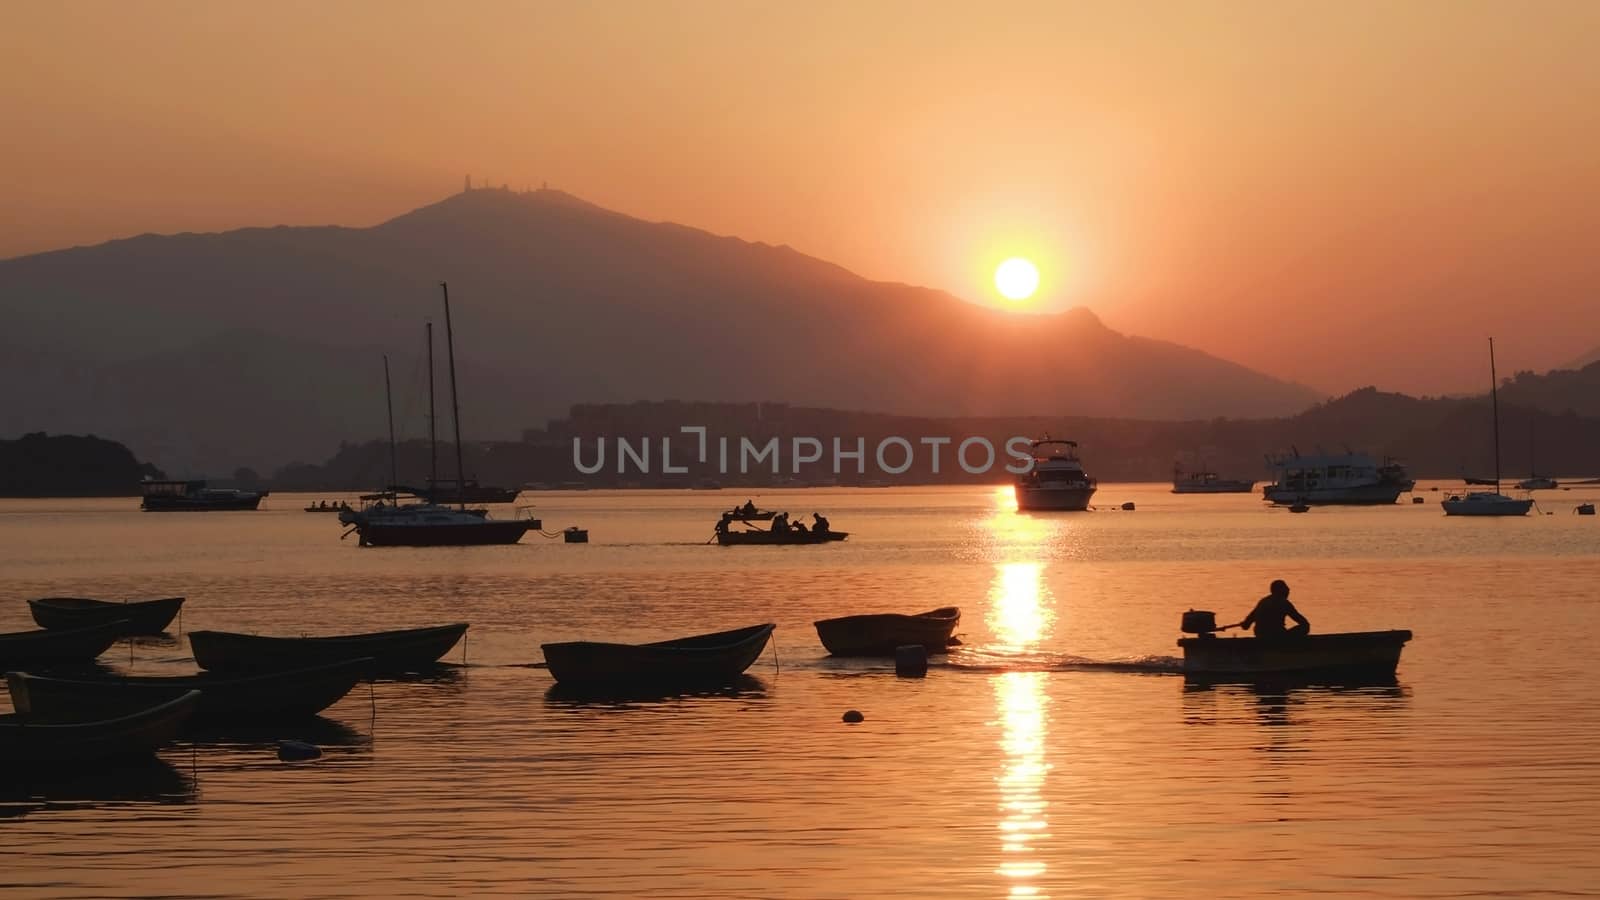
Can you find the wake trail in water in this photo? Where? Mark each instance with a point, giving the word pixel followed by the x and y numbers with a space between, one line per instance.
pixel 980 661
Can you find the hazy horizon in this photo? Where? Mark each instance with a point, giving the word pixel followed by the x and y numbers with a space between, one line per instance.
pixel 1358 198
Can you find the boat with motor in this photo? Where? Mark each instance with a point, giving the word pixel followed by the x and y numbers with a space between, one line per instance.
pixel 880 634
pixel 1488 503
pixel 1206 482
pixel 193 496
pixel 1343 656
pixel 1348 478
pixel 1055 479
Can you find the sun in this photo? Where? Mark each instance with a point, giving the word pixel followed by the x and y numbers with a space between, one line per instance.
pixel 1016 278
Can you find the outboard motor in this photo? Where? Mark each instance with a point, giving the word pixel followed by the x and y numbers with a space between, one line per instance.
pixel 1199 621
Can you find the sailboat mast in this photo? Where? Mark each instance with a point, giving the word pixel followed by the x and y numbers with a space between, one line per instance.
pixel 1494 404
pixel 388 399
pixel 455 401
pixel 433 438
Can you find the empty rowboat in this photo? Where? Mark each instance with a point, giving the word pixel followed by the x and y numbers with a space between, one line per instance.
pixel 881 633
pixel 20 649
pixel 701 659
pixel 142 616
pixel 253 698
pixel 390 651
pixel 30 737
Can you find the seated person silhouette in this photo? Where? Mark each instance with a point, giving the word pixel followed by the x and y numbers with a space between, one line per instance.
pixel 1270 612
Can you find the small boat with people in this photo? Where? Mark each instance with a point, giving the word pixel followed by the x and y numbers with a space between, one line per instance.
pixel 781 532
pixel 194 496
pixel 1277 651
pixel 252 697
pixel 880 634
pixel 405 650
pixel 52 645
pixel 1348 478
pixel 73 736
pixel 714 658
pixel 750 513
pixel 1055 479
pixel 137 616
pixel 337 506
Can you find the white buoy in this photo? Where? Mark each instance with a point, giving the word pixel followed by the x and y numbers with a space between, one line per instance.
pixel 290 751
pixel 911 661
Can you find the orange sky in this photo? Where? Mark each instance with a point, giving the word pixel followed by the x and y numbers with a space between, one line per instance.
pixel 1340 194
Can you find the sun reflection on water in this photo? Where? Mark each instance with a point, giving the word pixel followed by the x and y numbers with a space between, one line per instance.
pixel 1021 701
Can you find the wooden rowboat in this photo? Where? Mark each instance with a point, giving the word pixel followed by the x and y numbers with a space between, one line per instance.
pixel 25 648
pixel 879 634
pixel 701 659
pixel 142 616
pixel 30 737
pixel 256 698
pixel 390 651
pixel 1349 655
pixel 742 538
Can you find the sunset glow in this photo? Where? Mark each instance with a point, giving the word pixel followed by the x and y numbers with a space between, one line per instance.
pixel 1016 279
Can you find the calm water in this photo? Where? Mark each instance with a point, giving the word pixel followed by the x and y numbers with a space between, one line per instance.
pixel 1017 769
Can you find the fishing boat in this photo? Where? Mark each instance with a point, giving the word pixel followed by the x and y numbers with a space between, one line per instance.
pixel 1055 480
pixel 24 648
pixel 701 659
pixel 1354 656
pixel 391 651
pixel 194 496
pixel 1488 503
pixel 763 538
pixel 880 633
pixel 254 698
pixel 29 737
pixel 139 616
pixel 429 524
pixel 1335 479
pixel 1206 482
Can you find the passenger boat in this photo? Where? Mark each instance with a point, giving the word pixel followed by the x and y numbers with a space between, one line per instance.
pixel 29 737
pixel 880 633
pixel 701 659
pixel 140 616
pixel 1343 478
pixel 391 651
pixel 1488 503
pixel 194 496
pixel 757 537
pixel 1204 482
pixel 25 648
pixel 254 698
pixel 1352 656
pixel 1055 480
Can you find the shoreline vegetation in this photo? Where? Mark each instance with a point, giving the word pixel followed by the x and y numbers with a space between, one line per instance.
pixel 1437 438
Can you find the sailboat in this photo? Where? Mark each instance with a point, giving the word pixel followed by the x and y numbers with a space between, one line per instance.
pixel 1489 503
pixel 1535 481
pixel 435 525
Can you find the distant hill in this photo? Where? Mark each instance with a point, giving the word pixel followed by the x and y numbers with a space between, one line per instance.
pixel 256 346
pixel 39 465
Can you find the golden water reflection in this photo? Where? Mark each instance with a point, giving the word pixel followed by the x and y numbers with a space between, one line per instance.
pixel 1021 701
pixel 1018 614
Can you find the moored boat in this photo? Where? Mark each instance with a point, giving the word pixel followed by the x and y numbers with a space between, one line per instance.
pixel 878 634
pixel 391 651
pixel 1488 503
pixel 267 696
pixel 1055 481
pixel 194 496
pixel 1342 478
pixel 141 616
pixel 26 736
pixel 700 659
pixel 1206 482
pixel 47 646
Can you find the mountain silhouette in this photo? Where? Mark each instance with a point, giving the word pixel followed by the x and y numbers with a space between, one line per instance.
pixel 262 345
